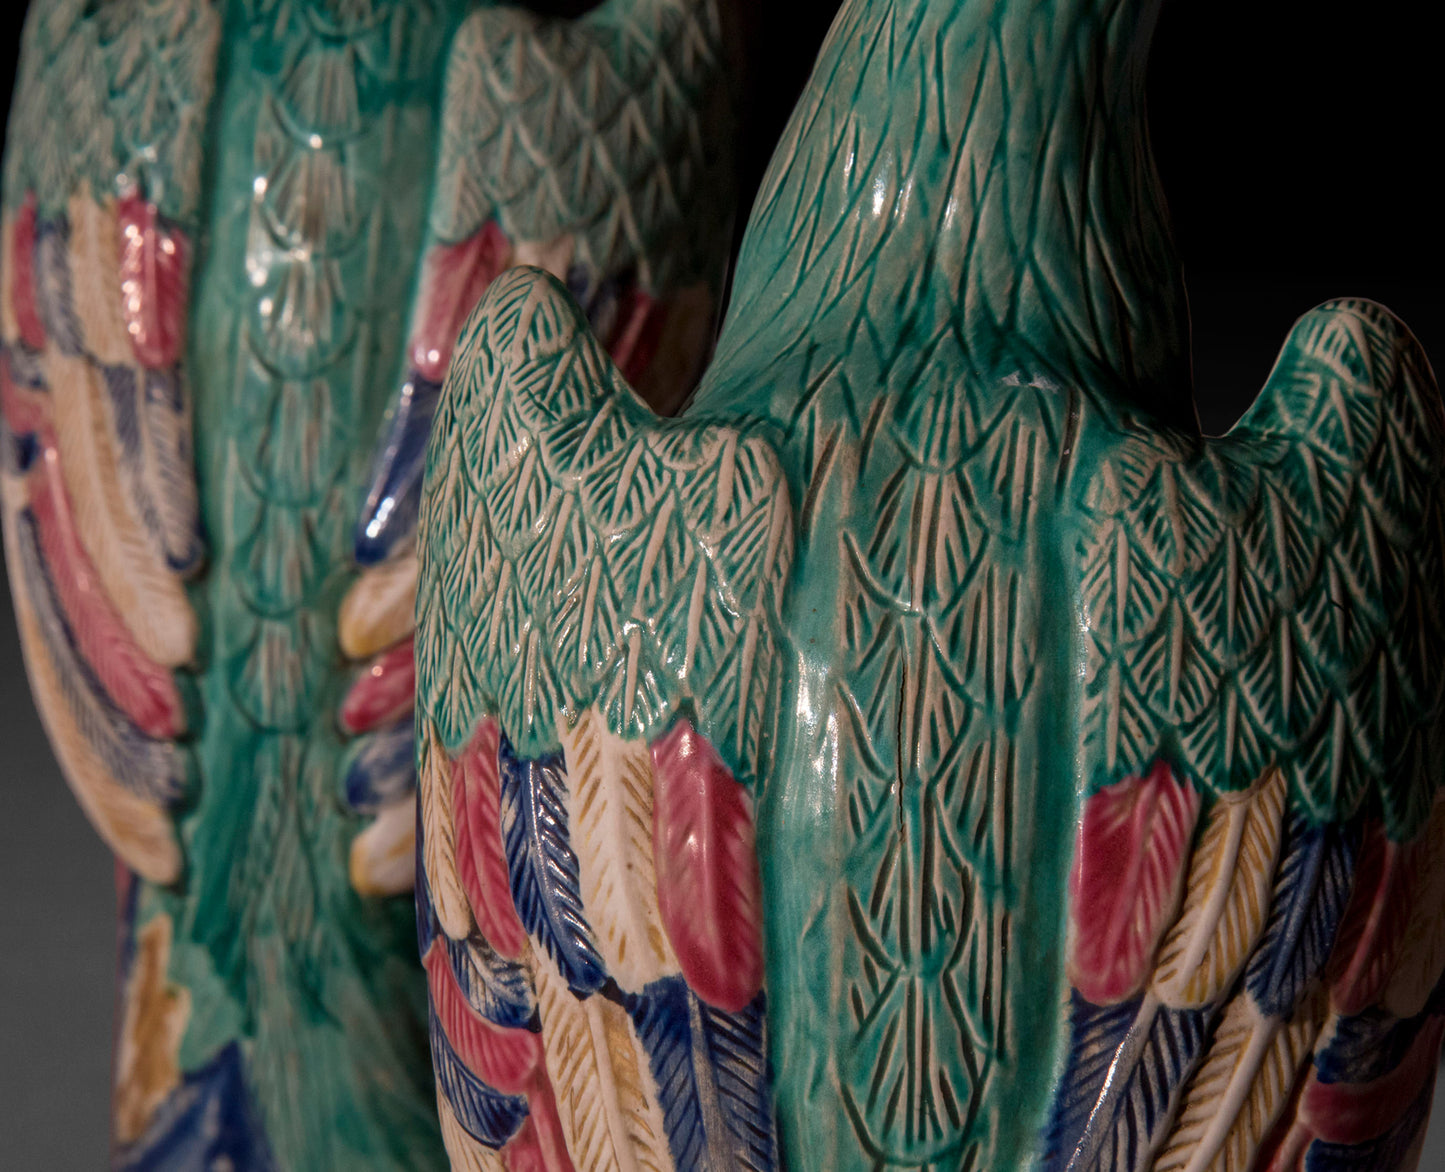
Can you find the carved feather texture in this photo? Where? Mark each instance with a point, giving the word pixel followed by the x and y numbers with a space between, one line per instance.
pixel 1242 1087
pixel 481 855
pixel 1126 879
pixel 154 268
pixel 95 263
pixel 1095 1035
pixel 434 780
pixel 1226 896
pixel 606 1097
pixel 709 1069
pixel 1310 892
pixel 1357 1112
pixel 508 1060
pixel 138 831
pixel 142 689
pixel 542 865
pixel 500 990
pixel 465 1152
pixel 485 1114
pixel 145 593
pixel 709 890
pixel 609 808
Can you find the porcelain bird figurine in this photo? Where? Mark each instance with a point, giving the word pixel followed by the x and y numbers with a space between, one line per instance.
pixel 928 750
pixel 230 231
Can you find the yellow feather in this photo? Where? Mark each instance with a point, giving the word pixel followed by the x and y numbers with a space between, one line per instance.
pixel 1226 898
pixel 465 1153
pixel 439 855
pixel 379 610
pixel 609 810
pixel 139 832
pixel 1419 967
pixel 95 278
pixel 149 598
pixel 1239 1091
pixel 606 1097
pixel 383 856
pixel 9 327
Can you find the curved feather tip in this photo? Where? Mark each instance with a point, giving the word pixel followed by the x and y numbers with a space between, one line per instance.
pixel 709 891
pixel 153 262
pixel 382 693
pixel 481 861
pixel 1128 871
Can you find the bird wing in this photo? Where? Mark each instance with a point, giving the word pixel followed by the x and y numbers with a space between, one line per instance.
pixel 1257 935
pixel 597 668
pixel 587 147
pixel 101 525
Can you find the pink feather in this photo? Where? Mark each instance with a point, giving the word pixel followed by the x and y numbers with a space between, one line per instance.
pixel 508 1060
pixel 481 861
pixel 1355 1113
pixel 539 1145
pixel 1129 867
pixel 141 688
pixel 453 280
pixel 709 892
pixel 153 265
pixel 384 692
pixel 22 276
pixel 1373 927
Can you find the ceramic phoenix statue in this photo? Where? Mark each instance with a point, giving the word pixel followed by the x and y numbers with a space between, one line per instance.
pixel 927 750
pixel 232 230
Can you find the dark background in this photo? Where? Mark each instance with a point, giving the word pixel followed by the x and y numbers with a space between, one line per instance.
pixel 1299 145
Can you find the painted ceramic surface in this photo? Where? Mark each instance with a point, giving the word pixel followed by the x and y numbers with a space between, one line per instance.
pixel 1073 777
pixel 231 232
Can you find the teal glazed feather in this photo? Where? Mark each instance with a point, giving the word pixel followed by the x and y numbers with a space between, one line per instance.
pixel 239 239
pixel 1090 765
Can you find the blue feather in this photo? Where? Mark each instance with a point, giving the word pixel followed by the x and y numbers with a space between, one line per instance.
pixel 209 1121
pixel 497 988
pixel 489 1116
pixel 1367 1046
pixel 1310 892
pixel 52 285
pixel 152 769
pixel 26 369
pixel 1385 1153
pixel 1095 1035
pixel 394 482
pixel 542 866
pixel 167 423
pixel 1154 1063
pixel 712 1077
pixel 382 768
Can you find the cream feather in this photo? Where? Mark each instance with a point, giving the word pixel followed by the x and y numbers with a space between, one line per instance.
pixel 378 610
pixel 609 809
pixel 439 850
pixel 465 1153
pixel 606 1097
pixel 383 856
pixel 1226 897
pixel 95 278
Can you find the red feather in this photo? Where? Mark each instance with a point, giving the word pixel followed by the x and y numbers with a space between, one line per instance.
pixel 22 276
pixel 453 280
pixel 384 692
pixel 153 263
pixel 508 1060
pixel 25 411
pixel 1354 1113
pixel 634 341
pixel 539 1145
pixel 1374 923
pixel 709 892
pixel 1128 869
pixel 481 861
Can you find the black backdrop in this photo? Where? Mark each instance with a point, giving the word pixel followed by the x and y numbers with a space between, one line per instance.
pixel 1298 143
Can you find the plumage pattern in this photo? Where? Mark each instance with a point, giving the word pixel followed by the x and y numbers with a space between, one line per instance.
pixel 1129 869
